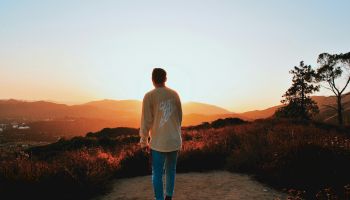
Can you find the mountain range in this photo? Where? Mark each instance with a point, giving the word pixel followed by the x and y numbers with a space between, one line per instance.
pixel 127 112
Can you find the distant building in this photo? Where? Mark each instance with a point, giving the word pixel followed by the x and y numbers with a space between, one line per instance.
pixel 23 127
pixel 3 126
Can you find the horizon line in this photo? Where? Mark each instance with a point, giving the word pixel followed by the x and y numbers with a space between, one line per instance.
pixel 106 99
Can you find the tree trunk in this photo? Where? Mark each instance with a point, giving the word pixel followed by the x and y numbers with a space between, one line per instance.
pixel 303 103
pixel 340 110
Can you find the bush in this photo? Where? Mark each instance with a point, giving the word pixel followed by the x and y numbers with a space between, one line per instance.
pixel 286 154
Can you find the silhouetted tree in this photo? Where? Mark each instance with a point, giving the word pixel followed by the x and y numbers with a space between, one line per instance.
pixel 297 100
pixel 332 67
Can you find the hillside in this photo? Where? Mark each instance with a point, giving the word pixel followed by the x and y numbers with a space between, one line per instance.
pixel 133 106
pixel 40 110
pixel 122 112
pixel 257 114
pixel 279 153
pixel 328 114
pixel 203 109
pixel 127 112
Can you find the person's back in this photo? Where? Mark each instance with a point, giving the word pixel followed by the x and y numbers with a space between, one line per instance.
pixel 161 121
pixel 162 115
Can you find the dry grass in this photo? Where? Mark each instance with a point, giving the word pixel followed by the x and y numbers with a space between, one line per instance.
pixel 309 157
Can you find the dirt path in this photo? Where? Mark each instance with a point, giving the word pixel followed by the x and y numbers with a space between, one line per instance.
pixel 215 185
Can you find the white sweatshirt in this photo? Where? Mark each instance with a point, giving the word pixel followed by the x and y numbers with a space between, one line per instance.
pixel 161 120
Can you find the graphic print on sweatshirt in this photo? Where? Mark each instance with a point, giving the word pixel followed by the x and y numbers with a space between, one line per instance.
pixel 167 108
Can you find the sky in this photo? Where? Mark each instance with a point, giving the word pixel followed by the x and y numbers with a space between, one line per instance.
pixel 234 54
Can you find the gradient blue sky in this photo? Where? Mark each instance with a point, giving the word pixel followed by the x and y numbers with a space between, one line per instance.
pixel 235 54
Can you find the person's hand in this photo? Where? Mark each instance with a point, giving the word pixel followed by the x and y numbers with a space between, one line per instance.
pixel 145 148
pixel 144 144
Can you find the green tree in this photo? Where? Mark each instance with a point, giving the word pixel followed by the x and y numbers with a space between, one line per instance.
pixel 332 68
pixel 297 100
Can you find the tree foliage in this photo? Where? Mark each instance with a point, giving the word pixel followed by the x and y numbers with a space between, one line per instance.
pixel 332 68
pixel 297 100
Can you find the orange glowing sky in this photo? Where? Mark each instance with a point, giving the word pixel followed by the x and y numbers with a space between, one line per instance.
pixel 234 54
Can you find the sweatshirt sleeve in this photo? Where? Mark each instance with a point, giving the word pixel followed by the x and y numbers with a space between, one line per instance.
pixel 179 108
pixel 146 119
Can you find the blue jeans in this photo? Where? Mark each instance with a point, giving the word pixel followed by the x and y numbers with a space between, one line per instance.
pixel 159 159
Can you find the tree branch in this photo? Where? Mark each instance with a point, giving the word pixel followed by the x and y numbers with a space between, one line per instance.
pixel 328 88
pixel 346 85
pixel 335 87
pixel 332 87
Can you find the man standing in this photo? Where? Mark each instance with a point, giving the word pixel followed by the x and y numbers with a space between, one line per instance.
pixel 161 121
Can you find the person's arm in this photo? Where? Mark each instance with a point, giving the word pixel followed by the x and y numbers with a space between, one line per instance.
pixel 179 108
pixel 146 121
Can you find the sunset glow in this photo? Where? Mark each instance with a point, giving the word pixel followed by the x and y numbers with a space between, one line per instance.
pixel 234 54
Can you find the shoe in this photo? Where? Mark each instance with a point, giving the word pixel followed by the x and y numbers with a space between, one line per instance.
pixel 168 198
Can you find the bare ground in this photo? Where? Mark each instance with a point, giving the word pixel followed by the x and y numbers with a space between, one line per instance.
pixel 214 185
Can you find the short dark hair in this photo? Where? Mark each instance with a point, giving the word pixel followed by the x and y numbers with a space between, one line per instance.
pixel 158 75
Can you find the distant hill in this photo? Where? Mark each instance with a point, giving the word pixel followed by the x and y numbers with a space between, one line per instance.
pixel 122 112
pixel 257 114
pixel 203 109
pixel 328 114
pixel 127 112
pixel 194 112
pixel 40 110
pixel 134 106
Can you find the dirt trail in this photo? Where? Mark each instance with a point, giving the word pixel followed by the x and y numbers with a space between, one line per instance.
pixel 215 185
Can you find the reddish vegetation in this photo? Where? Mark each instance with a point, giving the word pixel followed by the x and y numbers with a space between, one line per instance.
pixel 304 156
